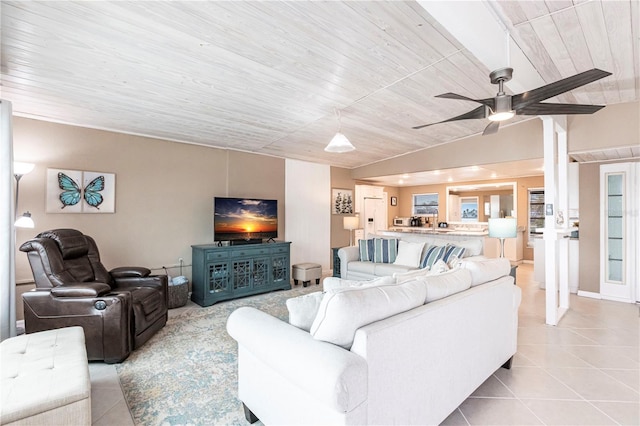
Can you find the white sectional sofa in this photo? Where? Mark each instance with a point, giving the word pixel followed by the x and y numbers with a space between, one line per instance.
pixel 406 351
pixel 351 267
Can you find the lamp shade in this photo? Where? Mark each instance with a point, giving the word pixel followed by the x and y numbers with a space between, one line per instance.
pixel 503 227
pixel 351 222
pixel 25 221
pixel 20 168
pixel 339 143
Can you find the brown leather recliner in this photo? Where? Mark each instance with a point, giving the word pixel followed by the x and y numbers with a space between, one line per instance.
pixel 119 310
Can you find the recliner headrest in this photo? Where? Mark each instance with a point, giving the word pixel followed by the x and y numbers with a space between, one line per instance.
pixel 72 243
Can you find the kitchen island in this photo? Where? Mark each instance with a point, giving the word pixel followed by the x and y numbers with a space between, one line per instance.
pixel 465 231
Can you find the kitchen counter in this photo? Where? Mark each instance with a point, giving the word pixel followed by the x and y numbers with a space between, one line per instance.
pixel 439 231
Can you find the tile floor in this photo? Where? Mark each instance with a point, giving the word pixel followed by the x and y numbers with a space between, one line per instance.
pixel 585 371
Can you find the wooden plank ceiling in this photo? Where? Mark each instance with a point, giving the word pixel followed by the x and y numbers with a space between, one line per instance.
pixel 268 77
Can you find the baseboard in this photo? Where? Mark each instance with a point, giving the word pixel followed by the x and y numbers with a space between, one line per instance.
pixel 528 261
pixel 589 294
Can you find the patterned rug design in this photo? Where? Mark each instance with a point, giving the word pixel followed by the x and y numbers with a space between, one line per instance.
pixel 187 373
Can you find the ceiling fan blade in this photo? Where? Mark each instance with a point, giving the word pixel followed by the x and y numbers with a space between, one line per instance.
pixel 488 102
pixel 491 128
pixel 552 109
pixel 479 112
pixel 553 89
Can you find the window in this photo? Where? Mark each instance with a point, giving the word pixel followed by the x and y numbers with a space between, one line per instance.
pixel 425 204
pixel 469 209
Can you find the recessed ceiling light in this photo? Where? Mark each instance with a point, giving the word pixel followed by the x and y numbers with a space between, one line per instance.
pixel 450 179
pixel 494 175
pixel 400 181
pixel 436 172
pixel 405 176
pixel 475 168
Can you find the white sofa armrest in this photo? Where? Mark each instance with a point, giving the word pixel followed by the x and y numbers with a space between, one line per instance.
pixel 338 378
pixel 346 255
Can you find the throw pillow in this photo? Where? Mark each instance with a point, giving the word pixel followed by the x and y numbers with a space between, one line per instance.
pixel 439 267
pixel 303 309
pixel 333 283
pixel 432 255
pixel 385 250
pixel 343 311
pixel 366 250
pixel 409 254
pixel 453 250
pixel 485 270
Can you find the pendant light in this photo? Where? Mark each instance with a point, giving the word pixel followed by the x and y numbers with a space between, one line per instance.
pixel 339 143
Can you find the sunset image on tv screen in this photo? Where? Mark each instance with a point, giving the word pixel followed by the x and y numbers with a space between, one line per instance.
pixel 245 218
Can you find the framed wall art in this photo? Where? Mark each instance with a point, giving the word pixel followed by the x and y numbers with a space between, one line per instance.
pixel 74 191
pixel 341 201
pixel 394 201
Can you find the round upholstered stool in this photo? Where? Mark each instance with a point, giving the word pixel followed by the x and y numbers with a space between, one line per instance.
pixel 306 272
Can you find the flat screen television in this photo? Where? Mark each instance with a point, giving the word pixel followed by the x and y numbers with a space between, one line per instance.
pixel 244 219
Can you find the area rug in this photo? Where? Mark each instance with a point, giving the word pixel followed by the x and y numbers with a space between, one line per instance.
pixel 187 373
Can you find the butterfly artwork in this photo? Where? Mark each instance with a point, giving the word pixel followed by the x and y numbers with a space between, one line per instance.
pixel 75 191
pixel 71 191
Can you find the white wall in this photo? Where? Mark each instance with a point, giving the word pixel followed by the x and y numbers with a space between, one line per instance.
pixel 308 212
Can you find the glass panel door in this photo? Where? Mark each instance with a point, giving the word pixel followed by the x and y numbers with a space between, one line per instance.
pixel 615 228
pixel 618 244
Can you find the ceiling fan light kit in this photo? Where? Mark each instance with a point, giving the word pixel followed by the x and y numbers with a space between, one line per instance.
pixel 503 107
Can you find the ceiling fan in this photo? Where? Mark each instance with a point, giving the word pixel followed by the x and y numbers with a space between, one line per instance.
pixel 504 107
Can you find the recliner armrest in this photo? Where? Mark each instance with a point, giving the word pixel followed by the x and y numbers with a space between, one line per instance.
pixel 130 271
pixel 91 289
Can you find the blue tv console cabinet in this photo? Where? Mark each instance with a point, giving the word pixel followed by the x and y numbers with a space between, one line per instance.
pixel 227 272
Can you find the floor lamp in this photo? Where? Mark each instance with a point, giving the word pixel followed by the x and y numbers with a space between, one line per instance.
pixel 350 223
pixel 503 228
pixel 19 170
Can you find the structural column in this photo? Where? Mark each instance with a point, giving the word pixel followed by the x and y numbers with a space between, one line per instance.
pixel 556 228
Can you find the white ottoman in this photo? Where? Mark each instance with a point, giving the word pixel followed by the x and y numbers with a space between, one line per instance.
pixel 45 379
pixel 306 272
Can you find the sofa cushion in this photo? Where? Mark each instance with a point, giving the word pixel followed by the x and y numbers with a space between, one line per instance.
pixel 343 311
pixel 362 267
pixel 432 255
pixel 303 309
pixel 484 270
pixel 333 283
pixel 472 247
pixel 388 269
pixel 439 286
pixel 402 277
pixel 409 254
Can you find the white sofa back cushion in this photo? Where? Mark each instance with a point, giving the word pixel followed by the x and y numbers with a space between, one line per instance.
pixel 343 311
pixel 472 247
pixel 447 283
pixel 333 283
pixel 484 270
